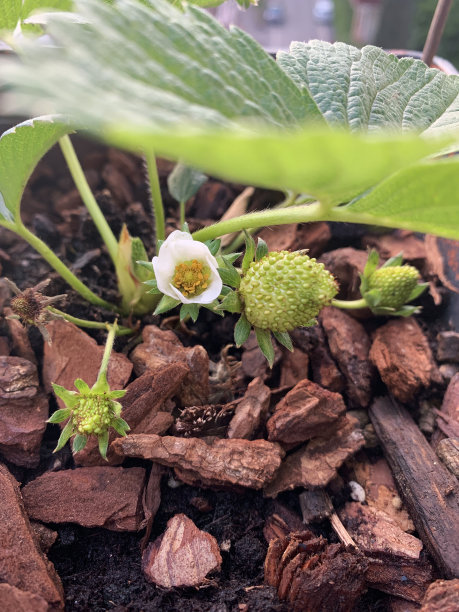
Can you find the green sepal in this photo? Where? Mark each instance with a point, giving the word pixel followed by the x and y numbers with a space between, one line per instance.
pixel 116 393
pixel 284 339
pixel 159 244
pixel 117 408
pixel 241 330
pixel 146 264
pixel 103 444
pixel 213 245
pixel 230 258
pixel 79 442
pixel 213 307
pixel 372 263
pixel 101 385
pixel 262 249
pixel 266 344
pixel 249 252
pixel 185 227
pixel 397 260
pixel 65 436
pixel 139 253
pixel 70 398
pixel 372 298
pixel 406 311
pixel 166 303
pixel 120 426
pixel 417 291
pixel 231 303
pixel 189 310
pixel 230 276
pixel 60 415
pixel 225 290
pixel 82 386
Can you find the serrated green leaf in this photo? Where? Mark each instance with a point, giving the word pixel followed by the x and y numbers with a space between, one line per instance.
pixel 423 197
pixel 231 303
pixel 262 249
pixel 266 344
pixel 230 277
pixel 369 89
pixel 284 339
pixel 21 148
pixel 166 303
pixel 189 310
pixel 249 252
pixel 60 415
pixel 183 182
pixel 65 436
pixel 79 442
pixel 70 398
pixel 241 330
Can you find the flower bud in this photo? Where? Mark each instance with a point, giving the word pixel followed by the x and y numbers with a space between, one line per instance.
pixel 285 290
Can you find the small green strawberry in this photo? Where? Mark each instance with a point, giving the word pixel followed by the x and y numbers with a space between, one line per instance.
pixel 283 291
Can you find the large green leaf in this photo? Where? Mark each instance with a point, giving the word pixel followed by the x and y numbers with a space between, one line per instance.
pixel 148 63
pixel 21 148
pixel 424 196
pixel 369 89
pixel 331 165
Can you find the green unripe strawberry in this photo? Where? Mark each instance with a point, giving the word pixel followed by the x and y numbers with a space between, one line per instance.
pixel 395 284
pixel 285 290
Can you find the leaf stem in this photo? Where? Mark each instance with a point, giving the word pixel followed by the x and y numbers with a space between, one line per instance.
pixel 107 351
pixel 88 197
pixel 121 331
pixel 350 305
pixel 156 199
pixel 61 268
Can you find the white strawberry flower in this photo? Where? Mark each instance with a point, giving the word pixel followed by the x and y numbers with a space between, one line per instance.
pixel 186 270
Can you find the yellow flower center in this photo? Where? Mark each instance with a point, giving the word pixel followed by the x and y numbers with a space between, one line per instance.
pixel 191 278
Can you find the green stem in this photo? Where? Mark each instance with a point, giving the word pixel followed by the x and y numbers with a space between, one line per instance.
pixel 88 197
pixel 61 268
pixel 350 305
pixel 121 331
pixel 182 214
pixel 156 199
pixel 107 351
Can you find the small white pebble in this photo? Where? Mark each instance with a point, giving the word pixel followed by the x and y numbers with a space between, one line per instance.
pixel 174 484
pixel 397 502
pixel 357 491
pixel 225 546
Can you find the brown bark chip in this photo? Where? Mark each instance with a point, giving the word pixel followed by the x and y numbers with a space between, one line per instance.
pixel 107 497
pixel 306 411
pixel 15 600
pixel 23 411
pixel 19 337
pixel 350 346
pixel 244 463
pixel 250 411
pixel 315 464
pixel 163 347
pixel 448 421
pixel 74 354
pixel 182 556
pixel 346 265
pixel 22 564
pixel 442 596
pixel 402 355
pixel 448 346
pixel 314 576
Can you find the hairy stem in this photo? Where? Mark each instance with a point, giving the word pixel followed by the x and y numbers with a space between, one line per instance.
pixel 88 197
pixel 350 305
pixel 107 351
pixel 121 331
pixel 156 199
pixel 61 268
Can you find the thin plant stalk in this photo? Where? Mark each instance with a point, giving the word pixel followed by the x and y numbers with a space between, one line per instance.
pixel 107 351
pixel 61 268
pixel 182 213
pixel 350 305
pixel 121 331
pixel 156 199
pixel 88 197
pixel 436 30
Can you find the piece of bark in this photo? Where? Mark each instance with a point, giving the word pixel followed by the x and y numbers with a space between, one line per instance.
pixel 22 564
pixel 304 413
pixel 23 412
pixel 16 600
pixel 316 464
pixel 44 535
pixel 163 347
pixel 145 409
pixel 292 237
pixel 350 346
pixel 314 576
pixel 73 354
pixel 448 346
pixel 442 596
pixel 151 500
pixel 282 522
pixel 4 346
pixel 400 241
pixel 203 421
pixel 449 412
pixel 401 353
pixel 108 497
pixel 182 557
pixel 253 362
pixel 380 490
pixel 346 264
pixel 315 505
pixel 448 451
pixel 250 411
pixel 294 367
pixel 21 346
pixel 397 604
pixel 430 492
pixel 244 463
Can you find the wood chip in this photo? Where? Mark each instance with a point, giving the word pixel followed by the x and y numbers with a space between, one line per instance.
pixel 251 411
pixel 442 596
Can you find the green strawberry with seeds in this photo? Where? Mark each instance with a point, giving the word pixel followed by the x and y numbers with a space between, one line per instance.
pixel 285 290
pixel 395 284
